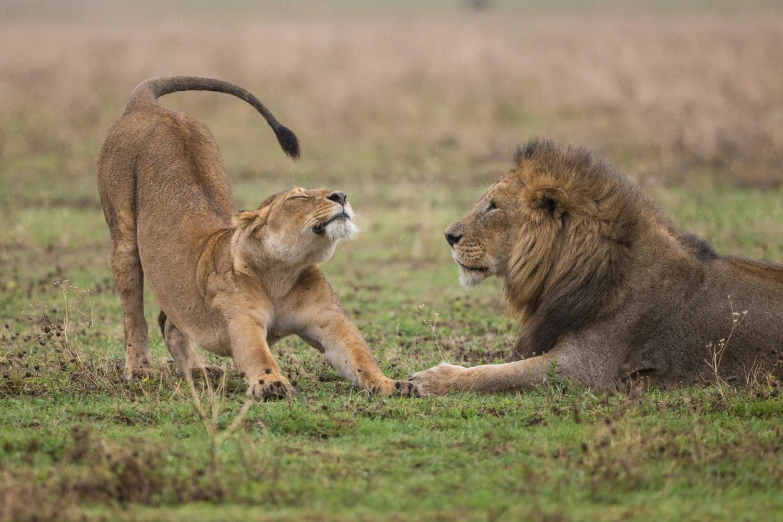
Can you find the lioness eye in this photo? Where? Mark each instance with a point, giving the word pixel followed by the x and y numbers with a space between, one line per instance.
pixel 296 197
pixel 492 206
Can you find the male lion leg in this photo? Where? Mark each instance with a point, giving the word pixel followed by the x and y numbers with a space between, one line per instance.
pixel 182 351
pixel 130 285
pixel 339 339
pixel 520 375
pixel 253 359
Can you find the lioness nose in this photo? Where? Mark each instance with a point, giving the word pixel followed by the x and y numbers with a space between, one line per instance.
pixel 338 197
pixel 452 239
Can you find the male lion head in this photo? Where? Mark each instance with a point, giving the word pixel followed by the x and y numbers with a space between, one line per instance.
pixel 558 228
pixel 295 227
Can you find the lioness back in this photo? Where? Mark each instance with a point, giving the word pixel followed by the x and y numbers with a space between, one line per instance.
pixel 181 193
pixel 174 160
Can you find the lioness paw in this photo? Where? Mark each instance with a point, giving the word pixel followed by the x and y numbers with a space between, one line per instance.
pixel 212 372
pixel 439 379
pixel 138 372
pixel 271 389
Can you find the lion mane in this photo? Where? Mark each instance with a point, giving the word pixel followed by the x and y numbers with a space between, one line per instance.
pixel 570 273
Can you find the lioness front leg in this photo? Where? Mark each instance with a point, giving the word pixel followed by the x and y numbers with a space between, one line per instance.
pixel 520 375
pixel 253 359
pixel 339 339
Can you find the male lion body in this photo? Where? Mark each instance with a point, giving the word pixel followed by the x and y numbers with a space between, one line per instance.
pixel 232 283
pixel 607 286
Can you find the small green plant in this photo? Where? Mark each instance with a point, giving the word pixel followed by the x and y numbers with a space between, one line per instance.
pixel 214 399
pixel 718 349
pixel 432 323
pixel 557 383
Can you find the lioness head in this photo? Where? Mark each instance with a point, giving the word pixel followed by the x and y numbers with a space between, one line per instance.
pixel 295 227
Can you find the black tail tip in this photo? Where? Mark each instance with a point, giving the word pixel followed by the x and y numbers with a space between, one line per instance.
pixel 288 141
pixel 162 323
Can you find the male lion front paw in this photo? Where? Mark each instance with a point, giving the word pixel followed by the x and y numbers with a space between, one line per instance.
pixel 439 379
pixel 271 389
pixel 388 388
pixel 406 389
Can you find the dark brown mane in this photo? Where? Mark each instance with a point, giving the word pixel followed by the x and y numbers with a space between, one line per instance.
pixel 568 272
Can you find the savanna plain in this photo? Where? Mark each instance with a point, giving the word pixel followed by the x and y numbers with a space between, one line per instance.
pixel 412 112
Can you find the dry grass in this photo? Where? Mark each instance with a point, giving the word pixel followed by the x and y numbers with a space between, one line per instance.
pixel 660 96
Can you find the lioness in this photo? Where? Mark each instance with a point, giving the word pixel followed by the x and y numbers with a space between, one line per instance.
pixel 606 286
pixel 230 282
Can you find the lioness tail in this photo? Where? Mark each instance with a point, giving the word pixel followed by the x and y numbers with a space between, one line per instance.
pixel 148 92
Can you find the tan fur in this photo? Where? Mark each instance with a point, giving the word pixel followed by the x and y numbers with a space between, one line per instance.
pixel 230 282
pixel 606 287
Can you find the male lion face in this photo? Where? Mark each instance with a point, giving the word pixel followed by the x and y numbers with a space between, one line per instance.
pixel 513 226
pixel 482 241
pixel 297 226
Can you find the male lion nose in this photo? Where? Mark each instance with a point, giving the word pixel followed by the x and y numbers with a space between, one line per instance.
pixel 452 239
pixel 338 197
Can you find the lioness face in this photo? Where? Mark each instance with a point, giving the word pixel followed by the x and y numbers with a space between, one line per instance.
pixel 298 226
pixel 482 241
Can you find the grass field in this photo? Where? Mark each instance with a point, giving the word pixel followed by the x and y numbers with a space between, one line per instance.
pixel 412 113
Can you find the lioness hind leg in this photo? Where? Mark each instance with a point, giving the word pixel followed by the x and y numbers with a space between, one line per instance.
pixel 129 277
pixel 183 353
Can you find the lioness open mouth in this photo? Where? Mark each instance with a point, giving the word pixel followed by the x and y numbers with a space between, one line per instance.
pixel 319 229
pixel 472 268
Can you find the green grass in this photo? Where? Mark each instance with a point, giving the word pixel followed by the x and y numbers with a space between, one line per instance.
pixel 76 440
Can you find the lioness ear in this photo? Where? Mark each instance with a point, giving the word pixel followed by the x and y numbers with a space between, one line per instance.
pixel 243 218
pixel 551 200
pixel 255 219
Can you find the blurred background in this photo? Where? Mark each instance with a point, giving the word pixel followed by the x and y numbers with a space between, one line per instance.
pixel 412 108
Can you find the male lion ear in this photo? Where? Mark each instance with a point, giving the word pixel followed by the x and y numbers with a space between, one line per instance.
pixel 552 200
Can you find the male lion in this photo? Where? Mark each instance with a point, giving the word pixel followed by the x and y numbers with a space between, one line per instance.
pixel 606 287
pixel 231 282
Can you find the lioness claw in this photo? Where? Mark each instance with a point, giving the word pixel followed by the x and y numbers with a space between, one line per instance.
pixel 271 390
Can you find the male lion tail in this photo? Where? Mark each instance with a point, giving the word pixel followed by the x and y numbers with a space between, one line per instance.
pixel 148 92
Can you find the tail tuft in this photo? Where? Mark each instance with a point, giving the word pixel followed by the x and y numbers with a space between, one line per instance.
pixel 288 141
pixel 162 323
